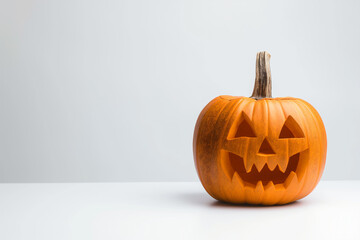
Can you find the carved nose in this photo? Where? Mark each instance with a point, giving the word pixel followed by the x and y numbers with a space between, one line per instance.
pixel 266 148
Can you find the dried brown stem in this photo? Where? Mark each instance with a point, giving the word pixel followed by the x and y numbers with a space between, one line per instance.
pixel 262 87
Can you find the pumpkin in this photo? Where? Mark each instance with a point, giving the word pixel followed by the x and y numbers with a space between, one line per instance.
pixel 259 149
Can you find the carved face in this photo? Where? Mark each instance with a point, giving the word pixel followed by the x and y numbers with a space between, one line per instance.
pixel 268 151
pixel 256 154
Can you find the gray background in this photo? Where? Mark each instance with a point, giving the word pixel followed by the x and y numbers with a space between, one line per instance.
pixel 110 90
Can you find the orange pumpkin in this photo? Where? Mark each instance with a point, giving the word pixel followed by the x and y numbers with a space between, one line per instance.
pixel 259 150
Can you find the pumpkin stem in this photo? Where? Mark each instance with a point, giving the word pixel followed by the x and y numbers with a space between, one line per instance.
pixel 262 87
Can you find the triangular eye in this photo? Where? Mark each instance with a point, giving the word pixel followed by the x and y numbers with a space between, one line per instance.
pixel 286 133
pixel 291 129
pixel 244 129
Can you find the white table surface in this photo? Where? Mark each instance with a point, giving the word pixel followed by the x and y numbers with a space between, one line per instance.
pixel 170 211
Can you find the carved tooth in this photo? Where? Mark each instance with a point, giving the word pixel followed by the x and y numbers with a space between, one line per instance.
pixel 270 185
pixel 273 193
pixel 283 163
pixel 272 162
pixel 259 164
pixel 237 180
pixel 291 181
pixel 259 188
pixel 248 164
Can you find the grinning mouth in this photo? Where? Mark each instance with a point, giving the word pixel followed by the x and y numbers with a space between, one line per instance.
pixel 236 165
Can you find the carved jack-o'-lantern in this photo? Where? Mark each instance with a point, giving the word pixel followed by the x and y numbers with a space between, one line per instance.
pixel 259 150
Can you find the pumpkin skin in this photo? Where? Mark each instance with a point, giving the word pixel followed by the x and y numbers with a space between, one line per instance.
pixel 259 151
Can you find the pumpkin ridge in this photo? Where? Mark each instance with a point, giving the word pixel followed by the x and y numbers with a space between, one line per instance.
pixel 315 120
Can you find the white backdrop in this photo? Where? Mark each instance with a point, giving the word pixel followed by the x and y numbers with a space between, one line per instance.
pixel 110 90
